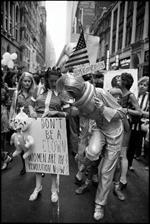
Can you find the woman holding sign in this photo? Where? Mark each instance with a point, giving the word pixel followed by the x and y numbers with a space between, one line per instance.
pixel 48 104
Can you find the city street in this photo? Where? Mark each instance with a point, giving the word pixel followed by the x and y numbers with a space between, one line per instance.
pixel 16 189
pixel 78 70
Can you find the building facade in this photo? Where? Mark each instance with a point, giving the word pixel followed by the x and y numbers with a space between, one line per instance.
pixel 124 35
pixel 23 31
pixel 89 13
pixel 84 15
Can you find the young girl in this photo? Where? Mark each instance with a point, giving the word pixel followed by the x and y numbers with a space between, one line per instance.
pixel 23 97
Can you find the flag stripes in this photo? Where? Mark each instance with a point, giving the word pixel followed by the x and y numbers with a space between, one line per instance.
pixel 80 54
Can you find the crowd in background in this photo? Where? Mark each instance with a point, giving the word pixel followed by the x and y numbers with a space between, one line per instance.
pixel 9 83
pixel 24 89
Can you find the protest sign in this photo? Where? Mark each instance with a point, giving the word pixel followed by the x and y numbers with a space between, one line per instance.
pixel 86 68
pixel 50 151
pixel 92 43
pixel 109 75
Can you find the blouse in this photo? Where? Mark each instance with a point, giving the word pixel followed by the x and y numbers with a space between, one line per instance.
pixel 23 101
pixel 55 103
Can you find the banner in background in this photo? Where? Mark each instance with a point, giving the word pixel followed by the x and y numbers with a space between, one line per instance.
pixel 50 151
pixel 92 43
pixel 86 68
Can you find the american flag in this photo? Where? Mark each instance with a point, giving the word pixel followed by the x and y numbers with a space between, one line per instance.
pixel 79 55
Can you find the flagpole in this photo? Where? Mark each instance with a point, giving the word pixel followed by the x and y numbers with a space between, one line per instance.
pixel 107 60
pixel 58 209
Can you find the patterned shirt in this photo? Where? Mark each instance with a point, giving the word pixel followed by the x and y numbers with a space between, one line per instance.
pixel 23 101
pixel 55 103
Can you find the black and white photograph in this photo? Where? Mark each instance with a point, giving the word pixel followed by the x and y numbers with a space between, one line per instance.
pixel 75 111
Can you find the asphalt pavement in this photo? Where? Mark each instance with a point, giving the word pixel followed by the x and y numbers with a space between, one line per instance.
pixel 16 189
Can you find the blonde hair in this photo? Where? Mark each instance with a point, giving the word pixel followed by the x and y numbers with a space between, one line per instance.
pixel 144 79
pixel 32 87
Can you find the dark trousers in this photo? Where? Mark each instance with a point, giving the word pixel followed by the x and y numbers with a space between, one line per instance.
pixel 135 146
pixel 146 152
pixel 73 137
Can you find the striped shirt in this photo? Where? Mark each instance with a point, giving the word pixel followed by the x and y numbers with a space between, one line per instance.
pixel 143 101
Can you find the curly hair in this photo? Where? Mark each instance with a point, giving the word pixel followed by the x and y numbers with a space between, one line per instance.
pixel 127 80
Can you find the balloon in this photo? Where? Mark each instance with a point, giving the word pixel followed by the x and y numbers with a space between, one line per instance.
pixel 3 62
pixel 13 56
pixel 10 64
pixel 6 56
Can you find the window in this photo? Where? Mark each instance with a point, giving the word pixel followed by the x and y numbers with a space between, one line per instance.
pixel 16 23
pixel 140 21
pixel 129 24
pixel 146 56
pixel 2 14
pixel 11 18
pixel 130 8
pixel 121 19
pixel 128 32
pixel 8 48
pixel 120 37
pixel 115 20
pixel 140 4
pixel 6 16
pixel 114 31
pixel 139 29
pixel 113 43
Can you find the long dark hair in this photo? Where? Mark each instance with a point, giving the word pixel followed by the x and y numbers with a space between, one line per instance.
pixel 47 74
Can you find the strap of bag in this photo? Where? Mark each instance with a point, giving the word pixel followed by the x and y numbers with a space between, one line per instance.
pixel 15 100
pixel 12 111
pixel 47 101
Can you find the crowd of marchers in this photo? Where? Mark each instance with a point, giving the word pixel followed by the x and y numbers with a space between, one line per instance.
pixel 106 130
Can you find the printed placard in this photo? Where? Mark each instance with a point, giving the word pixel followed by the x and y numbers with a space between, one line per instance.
pixel 86 68
pixel 50 151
